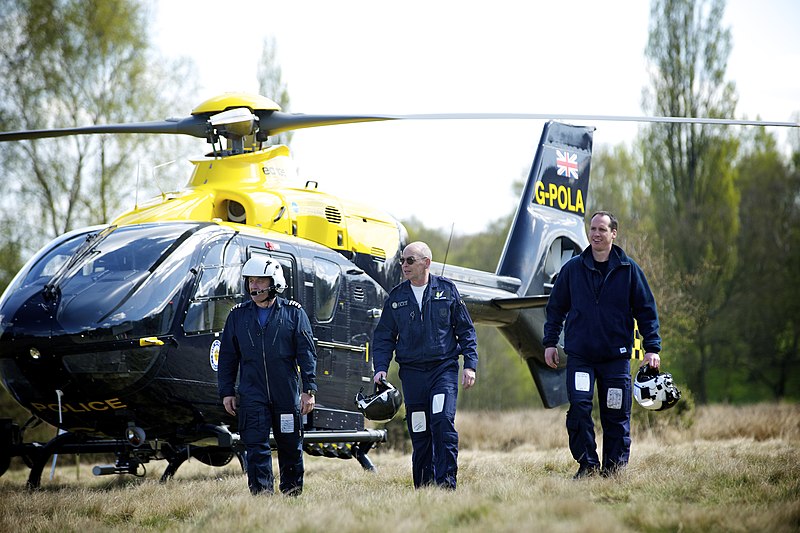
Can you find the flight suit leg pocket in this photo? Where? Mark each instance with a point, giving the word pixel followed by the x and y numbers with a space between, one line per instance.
pixel 253 425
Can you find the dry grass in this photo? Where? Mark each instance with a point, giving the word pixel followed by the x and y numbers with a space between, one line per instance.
pixel 733 469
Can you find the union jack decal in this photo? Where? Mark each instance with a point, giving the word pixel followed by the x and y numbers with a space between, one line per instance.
pixel 567 164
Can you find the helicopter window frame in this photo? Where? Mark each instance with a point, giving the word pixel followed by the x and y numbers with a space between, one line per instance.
pixel 215 291
pixel 327 285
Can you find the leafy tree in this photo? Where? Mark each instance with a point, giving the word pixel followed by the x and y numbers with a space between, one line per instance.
pixel 765 302
pixel 68 63
pixel 689 166
pixel 435 238
pixel 794 141
pixel 11 243
pixel 617 186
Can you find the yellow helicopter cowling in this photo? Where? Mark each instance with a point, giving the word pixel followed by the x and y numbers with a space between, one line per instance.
pixel 272 168
pixel 341 225
pixel 267 184
pixel 263 209
pixel 262 189
pixel 317 216
pixel 371 231
pixel 189 205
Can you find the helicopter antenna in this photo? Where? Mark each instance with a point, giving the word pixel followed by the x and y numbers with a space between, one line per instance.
pixel 136 196
pixel 447 250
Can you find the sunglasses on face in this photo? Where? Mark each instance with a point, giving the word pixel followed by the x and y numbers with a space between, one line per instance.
pixel 409 260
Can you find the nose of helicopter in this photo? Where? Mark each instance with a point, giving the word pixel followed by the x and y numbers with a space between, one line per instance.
pixel 51 356
pixel 77 385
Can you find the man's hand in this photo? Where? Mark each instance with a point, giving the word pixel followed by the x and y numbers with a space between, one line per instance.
pixel 229 402
pixel 652 359
pixel 379 376
pixel 551 356
pixel 306 403
pixel 468 378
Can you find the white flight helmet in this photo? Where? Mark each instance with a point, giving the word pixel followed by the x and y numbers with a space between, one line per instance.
pixel 654 390
pixel 260 265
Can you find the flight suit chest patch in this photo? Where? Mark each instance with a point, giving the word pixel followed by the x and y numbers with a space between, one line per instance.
pixel 443 294
pixel 439 298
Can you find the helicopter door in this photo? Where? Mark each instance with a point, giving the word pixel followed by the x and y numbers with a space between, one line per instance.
pixel 341 341
pixel 327 282
pixel 219 287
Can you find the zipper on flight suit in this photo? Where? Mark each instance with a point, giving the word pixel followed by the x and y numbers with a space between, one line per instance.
pixel 264 354
pixel 264 345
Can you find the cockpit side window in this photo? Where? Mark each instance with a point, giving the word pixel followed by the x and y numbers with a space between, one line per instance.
pixel 327 278
pixel 219 287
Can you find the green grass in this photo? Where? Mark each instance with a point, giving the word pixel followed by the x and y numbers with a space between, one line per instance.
pixel 732 469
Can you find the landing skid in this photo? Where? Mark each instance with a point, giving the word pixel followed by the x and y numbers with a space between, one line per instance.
pixel 215 457
pixel 130 460
pixel 363 460
pixel 67 443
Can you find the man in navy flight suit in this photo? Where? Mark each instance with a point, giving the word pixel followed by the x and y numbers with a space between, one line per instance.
pixel 265 340
pixel 425 325
pixel 600 293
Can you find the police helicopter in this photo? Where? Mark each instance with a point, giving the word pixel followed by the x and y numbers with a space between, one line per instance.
pixel 111 333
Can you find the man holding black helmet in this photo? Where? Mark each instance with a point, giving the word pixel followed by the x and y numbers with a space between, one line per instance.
pixel 426 326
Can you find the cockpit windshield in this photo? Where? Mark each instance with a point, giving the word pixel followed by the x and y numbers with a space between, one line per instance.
pixel 118 283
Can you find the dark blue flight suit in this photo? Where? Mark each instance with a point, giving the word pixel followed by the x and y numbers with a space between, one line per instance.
pixel 597 312
pixel 267 360
pixel 426 345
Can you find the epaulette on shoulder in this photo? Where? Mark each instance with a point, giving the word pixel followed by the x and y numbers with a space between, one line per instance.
pixel 294 303
pixel 447 281
pixel 396 287
pixel 237 306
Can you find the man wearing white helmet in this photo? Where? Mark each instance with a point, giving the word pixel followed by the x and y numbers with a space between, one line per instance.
pixel 265 342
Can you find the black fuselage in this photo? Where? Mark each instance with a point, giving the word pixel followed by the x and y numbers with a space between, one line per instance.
pixel 107 328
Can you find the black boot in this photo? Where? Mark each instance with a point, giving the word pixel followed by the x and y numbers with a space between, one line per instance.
pixel 586 470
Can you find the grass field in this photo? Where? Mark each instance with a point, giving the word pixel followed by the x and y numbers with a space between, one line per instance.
pixel 726 469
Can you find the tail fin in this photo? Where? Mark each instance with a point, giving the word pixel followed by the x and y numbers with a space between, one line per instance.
pixel 547 231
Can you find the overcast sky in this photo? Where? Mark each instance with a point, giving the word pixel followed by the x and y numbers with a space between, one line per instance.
pixel 434 56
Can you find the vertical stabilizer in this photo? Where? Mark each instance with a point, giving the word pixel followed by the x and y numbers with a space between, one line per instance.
pixel 548 229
